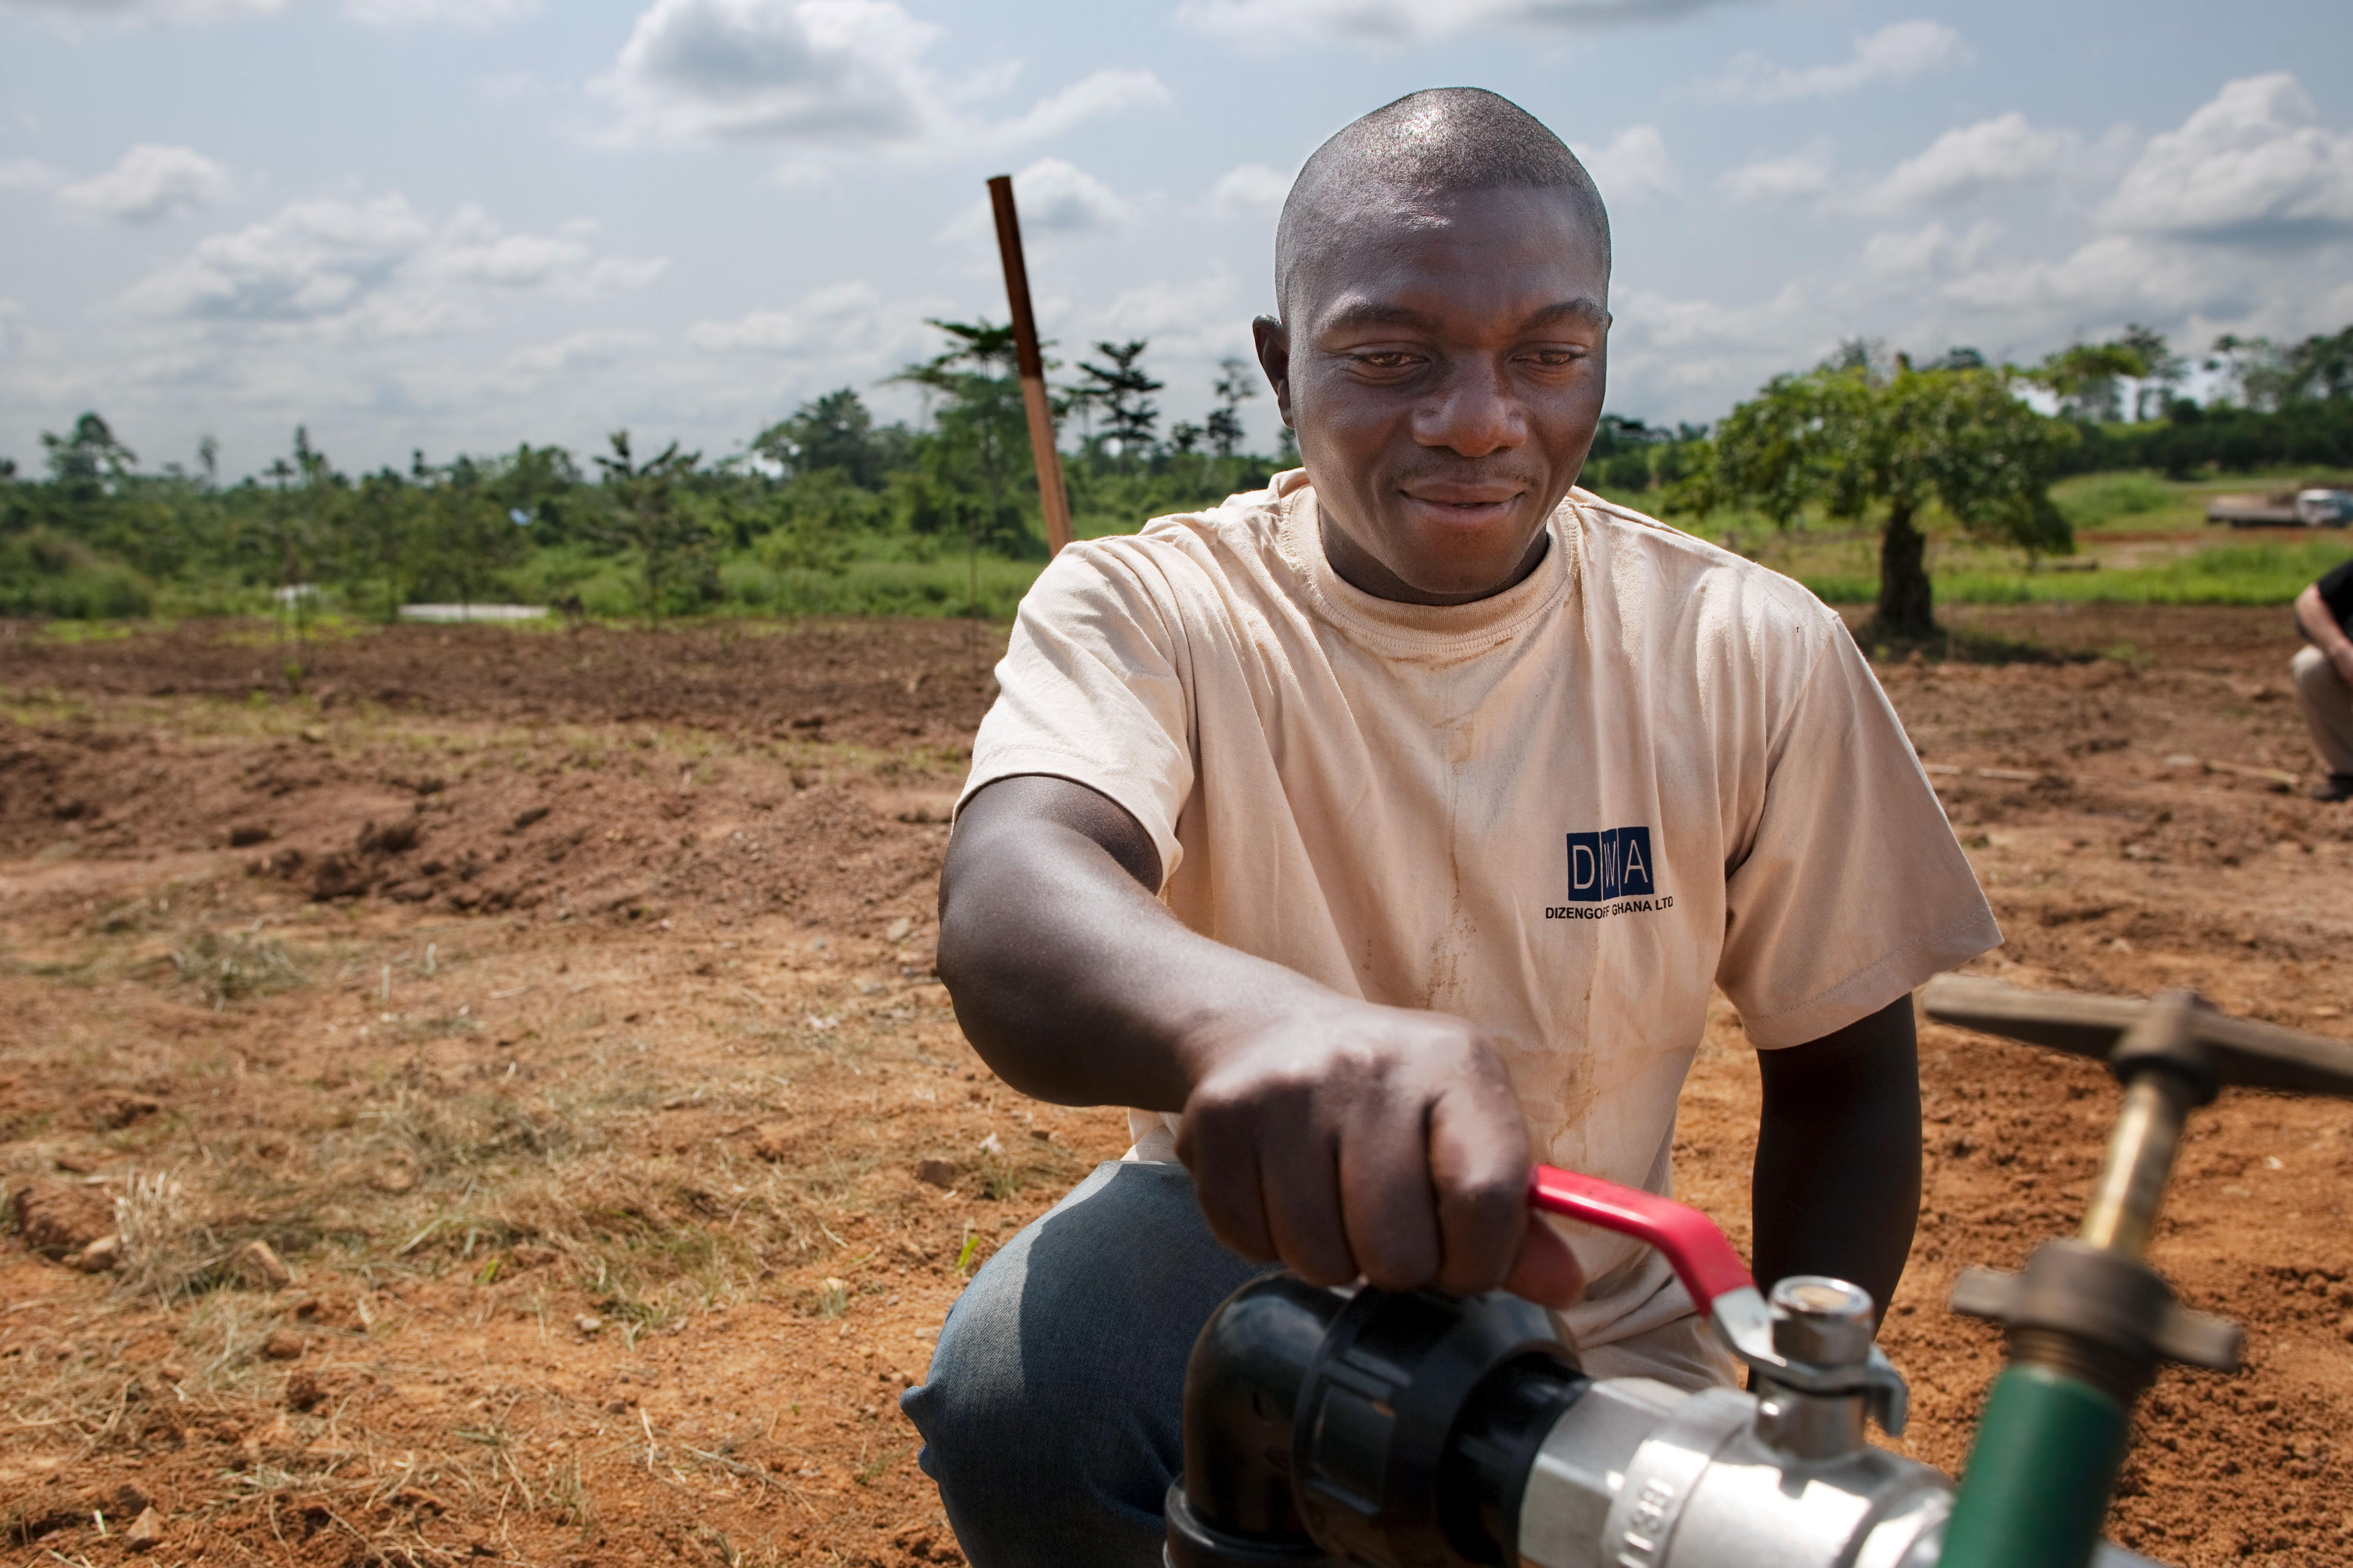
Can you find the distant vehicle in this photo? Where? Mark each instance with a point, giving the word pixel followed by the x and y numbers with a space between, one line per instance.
pixel 2281 509
pixel 2323 508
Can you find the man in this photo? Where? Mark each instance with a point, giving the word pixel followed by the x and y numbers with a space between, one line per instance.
pixel 2324 676
pixel 1381 832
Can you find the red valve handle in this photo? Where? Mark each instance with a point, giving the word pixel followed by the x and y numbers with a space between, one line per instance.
pixel 1703 1260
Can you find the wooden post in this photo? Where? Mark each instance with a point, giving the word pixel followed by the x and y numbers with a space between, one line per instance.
pixel 1052 497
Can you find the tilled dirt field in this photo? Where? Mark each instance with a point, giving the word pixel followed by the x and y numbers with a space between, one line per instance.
pixel 556 1011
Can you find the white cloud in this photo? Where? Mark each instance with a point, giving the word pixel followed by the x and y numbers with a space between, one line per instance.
pixel 1928 251
pixel 843 321
pixel 2007 150
pixel 12 328
pixel 474 249
pixel 147 185
pixel 29 174
pixel 580 351
pixel 136 11
pixel 413 13
pixel 1804 172
pixel 1191 324
pixel 1633 167
pixel 1898 52
pixel 1055 199
pixel 371 12
pixel 2106 279
pixel 1262 24
pixel 1248 190
pixel 379 267
pixel 820 79
pixel 2252 165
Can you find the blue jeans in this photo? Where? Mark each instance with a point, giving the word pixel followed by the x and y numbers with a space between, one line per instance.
pixel 1053 1418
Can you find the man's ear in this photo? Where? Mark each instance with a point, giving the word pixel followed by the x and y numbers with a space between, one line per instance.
pixel 1274 342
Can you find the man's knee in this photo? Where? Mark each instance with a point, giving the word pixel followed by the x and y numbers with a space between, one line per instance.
pixel 1060 1372
pixel 2317 676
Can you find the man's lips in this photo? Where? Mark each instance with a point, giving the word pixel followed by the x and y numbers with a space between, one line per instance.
pixel 1463 506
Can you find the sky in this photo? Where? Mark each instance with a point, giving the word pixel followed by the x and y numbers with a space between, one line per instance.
pixel 458 224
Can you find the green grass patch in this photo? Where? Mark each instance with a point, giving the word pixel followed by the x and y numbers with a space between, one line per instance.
pixel 2223 574
pixel 2095 501
pixel 943 587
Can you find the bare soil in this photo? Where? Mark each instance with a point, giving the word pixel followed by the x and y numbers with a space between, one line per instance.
pixel 558 1008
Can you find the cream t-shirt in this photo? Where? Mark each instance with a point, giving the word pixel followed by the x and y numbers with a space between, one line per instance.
pixel 1560 812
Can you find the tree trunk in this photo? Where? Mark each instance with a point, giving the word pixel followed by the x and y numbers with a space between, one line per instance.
pixel 1906 606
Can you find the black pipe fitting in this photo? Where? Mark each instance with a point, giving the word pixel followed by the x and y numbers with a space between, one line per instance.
pixel 1365 1426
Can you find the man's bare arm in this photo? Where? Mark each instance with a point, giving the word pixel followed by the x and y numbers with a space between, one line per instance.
pixel 1837 1185
pixel 1340 1137
pixel 2312 614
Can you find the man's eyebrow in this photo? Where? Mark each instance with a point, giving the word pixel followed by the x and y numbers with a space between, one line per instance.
pixel 1362 313
pixel 1584 308
pixel 1371 313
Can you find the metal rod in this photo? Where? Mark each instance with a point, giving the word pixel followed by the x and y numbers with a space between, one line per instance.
pixel 2122 1208
pixel 1051 498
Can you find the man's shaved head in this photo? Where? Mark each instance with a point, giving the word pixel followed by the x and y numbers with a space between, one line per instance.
pixel 1428 145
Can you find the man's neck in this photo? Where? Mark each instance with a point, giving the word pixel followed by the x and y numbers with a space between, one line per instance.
pixel 1364 571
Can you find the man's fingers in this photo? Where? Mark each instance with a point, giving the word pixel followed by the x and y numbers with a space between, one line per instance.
pixel 1387 1205
pixel 1479 1165
pixel 1228 1186
pixel 1300 1181
pixel 1545 1272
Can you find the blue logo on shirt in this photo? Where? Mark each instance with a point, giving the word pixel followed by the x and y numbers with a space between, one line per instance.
pixel 1603 866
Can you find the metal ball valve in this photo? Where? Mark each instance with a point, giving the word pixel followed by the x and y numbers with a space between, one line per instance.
pixel 1415 1431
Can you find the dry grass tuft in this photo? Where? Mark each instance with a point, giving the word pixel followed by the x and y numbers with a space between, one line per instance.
pixel 231 967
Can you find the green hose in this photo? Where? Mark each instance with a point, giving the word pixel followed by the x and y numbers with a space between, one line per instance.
pixel 2037 1487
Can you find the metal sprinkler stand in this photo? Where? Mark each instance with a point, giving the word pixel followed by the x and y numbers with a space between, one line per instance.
pixel 2089 1320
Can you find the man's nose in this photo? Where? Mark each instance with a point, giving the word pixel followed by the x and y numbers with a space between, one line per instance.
pixel 1473 412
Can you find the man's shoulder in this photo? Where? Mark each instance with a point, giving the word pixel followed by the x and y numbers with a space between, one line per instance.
pixel 1185 552
pixel 1727 590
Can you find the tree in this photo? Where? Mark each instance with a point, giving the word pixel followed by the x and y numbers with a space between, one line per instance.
pixel 1237 385
pixel 832 433
pixel 2270 378
pixel 982 428
pixel 380 536
pixel 671 539
pixel 2086 378
pixel 1851 440
pixel 2161 371
pixel 90 464
pixel 1123 388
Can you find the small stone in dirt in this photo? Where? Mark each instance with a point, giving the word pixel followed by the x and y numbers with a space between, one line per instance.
pixel 100 1256
pixel 304 1391
pixel 58 1221
pixel 314 733
pixel 284 1345
pixel 772 1141
pixel 897 930
pixel 590 1323
pixel 938 1173
pixel 530 814
pixel 111 1108
pixel 258 1264
pixel 147 1532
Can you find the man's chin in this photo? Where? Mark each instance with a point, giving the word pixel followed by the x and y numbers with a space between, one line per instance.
pixel 1460 563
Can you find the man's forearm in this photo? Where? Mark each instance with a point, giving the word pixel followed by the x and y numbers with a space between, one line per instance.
pixel 1837 1180
pixel 2312 614
pixel 1074 984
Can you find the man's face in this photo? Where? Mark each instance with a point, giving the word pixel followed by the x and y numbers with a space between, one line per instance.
pixel 1444 367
